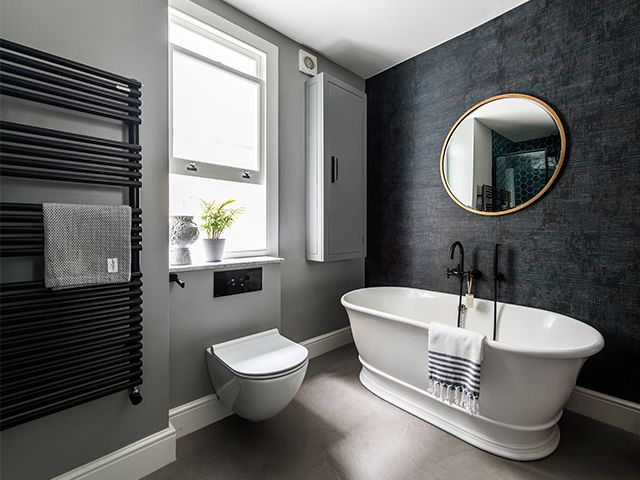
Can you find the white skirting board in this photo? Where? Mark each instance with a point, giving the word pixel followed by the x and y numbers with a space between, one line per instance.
pixel 198 414
pixel 328 341
pixel 131 462
pixel 610 410
pixel 605 408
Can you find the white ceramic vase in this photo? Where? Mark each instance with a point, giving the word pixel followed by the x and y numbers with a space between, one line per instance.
pixel 183 232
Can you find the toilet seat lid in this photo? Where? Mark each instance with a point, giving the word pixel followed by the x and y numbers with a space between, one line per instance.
pixel 261 354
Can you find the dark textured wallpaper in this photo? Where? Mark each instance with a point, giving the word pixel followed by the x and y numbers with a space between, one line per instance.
pixel 577 250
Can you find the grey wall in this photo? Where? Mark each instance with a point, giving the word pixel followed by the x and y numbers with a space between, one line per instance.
pixel 199 320
pixel 128 38
pixel 303 298
pixel 576 251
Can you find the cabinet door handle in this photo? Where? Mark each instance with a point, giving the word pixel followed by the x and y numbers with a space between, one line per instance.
pixel 334 169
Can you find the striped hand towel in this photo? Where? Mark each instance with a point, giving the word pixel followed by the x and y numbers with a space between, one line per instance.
pixel 454 361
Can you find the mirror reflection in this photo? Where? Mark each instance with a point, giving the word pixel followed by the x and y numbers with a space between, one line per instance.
pixel 503 154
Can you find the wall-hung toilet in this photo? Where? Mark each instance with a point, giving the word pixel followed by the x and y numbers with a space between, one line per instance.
pixel 258 375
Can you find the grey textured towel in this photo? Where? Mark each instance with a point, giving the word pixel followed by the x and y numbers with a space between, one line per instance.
pixel 86 245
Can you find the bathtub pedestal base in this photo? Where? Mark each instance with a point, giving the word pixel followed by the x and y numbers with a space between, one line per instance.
pixel 509 441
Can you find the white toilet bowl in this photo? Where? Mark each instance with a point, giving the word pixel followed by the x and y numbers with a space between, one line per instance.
pixel 258 375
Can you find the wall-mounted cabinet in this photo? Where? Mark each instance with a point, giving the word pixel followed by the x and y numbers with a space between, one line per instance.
pixel 336 170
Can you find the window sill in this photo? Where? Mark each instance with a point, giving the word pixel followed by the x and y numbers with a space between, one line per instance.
pixel 226 263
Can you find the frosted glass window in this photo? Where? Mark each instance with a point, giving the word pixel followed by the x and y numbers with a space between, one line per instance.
pixel 216 114
pixel 248 233
pixel 215 50
pixel 218 84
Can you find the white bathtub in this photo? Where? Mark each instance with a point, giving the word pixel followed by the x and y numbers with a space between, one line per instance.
pixel 527 374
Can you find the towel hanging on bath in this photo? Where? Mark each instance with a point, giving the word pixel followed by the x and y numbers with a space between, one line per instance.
pixel 86 245
pixel 454 365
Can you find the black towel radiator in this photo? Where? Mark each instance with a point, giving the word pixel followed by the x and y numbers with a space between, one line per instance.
pixel 62 348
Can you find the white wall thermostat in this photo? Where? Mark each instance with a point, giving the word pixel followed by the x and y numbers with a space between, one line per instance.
pixel 307 63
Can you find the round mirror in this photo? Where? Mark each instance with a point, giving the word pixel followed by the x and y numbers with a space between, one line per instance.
pixel 503 154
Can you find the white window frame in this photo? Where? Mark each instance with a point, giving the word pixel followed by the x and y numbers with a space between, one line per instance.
pixel 230 34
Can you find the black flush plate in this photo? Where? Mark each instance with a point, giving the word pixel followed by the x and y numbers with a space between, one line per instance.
pixel 232 282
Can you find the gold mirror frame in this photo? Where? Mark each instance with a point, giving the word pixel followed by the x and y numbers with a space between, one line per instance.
pixel 563 149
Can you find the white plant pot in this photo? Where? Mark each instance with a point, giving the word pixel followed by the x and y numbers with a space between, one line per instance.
pixel 213 249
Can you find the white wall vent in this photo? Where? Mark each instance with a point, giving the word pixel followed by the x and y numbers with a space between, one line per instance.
pixel 307 63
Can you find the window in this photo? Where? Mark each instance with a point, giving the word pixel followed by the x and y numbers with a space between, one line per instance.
pixel 223 114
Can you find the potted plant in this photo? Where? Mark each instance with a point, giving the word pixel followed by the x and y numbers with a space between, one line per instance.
pixel 216 218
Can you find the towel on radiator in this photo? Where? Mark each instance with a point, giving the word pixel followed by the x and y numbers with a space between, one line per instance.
pixel 454 361
pixel 86 245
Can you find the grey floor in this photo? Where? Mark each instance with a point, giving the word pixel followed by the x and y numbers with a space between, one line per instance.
pixel 336 429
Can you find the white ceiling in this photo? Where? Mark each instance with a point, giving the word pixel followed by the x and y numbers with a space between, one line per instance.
pixel 369 36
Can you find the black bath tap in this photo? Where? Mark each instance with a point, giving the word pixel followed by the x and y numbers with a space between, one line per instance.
pixel 458 272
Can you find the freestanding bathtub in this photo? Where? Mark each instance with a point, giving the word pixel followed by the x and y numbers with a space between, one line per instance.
pixel 527 374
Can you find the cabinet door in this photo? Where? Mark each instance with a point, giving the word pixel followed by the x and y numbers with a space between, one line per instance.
pixel 345 214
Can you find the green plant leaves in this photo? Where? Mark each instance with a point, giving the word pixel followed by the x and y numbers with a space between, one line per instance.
pixel 217 218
